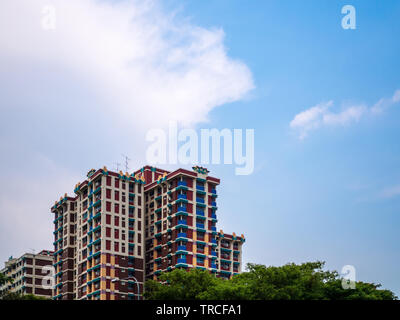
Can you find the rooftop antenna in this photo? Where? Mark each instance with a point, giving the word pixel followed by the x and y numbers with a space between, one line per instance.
pixel 126 162
pixel 117 164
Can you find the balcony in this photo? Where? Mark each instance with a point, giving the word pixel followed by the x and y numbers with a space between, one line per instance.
pixel 182 184
pixel 213 228
pixel 182 260
pixel 182 222
pixel 200 251
pixel 97 203
pixel 181 211
pixel 182 248
pixel 200 190
pixel 182 235
pixel 200 212
pixel 213 204
pixel 200 225
pixel 200 200
pixel 97 215
pixel 182 197
pixel 225 267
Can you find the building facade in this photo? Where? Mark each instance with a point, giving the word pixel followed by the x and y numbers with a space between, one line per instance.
pixel 30 274
pixel 121 229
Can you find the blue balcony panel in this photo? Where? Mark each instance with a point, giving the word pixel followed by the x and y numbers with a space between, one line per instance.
pixel 182 183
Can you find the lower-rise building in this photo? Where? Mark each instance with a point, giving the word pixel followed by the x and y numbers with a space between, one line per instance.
pixel 30 274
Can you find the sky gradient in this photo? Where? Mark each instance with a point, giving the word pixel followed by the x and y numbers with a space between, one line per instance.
pixel 325 186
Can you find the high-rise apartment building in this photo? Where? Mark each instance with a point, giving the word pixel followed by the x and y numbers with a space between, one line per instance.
pixel 121 229
pixel 29 274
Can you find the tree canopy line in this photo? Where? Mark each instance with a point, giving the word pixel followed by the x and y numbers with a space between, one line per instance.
pixel 307 281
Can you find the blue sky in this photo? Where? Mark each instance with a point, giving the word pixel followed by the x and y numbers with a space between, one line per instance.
pixel 321 197
pixel 333 195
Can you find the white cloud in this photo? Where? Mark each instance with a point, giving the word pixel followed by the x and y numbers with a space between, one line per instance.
pixel 320 115
pixel 391 192
pixel 396 96
pixel 345 117
pixel 77 96
pixel 310 119
pixel 143 62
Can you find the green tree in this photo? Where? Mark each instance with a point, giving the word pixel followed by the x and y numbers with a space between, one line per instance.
pixel 9 295
pixel 363 291
pixel 4 279
pixel 179 285
pixel 307 281
pixel 17 296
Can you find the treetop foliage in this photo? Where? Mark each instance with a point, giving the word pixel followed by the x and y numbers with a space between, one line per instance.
pixel 306 281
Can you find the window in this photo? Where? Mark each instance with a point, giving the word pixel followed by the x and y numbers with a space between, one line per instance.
pixel 108 181
pixel 116 183
pixel 116 208
pixel 116 221
pixel 108 219
pixel 108 193
pixel 116 195
pixel 116 246
pixel 116 234
pixel 108 232
pixel 108 206
pixel 108 245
